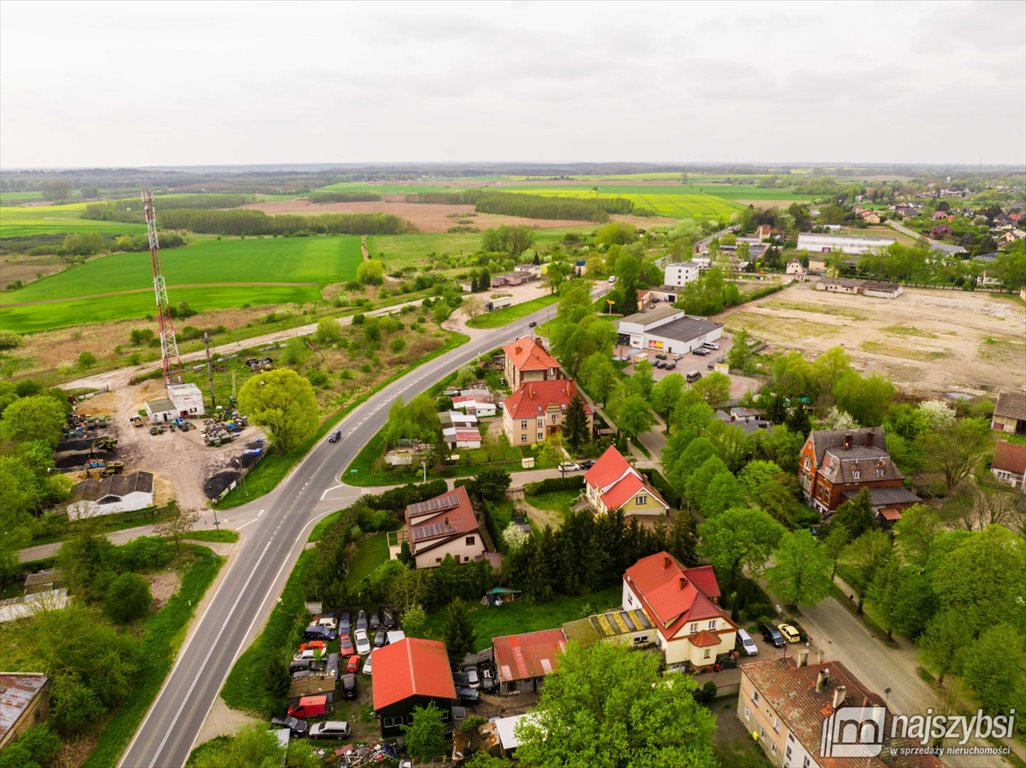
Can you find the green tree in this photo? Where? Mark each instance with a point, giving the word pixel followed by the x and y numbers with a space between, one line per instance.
pixel 738 541
pixel 714 388
pixel 425 736
pixel 916 531
pixel 177 525
pixel 73 705
pixel 721 493
pixel 575 424
pixel 997 683
pixel 284 403
pixel 328 331
pixel 370 272
pixel 864 556
pixel 865 398
pixel 35 748
pixel 86 360
pixel 943 642
pixel 633 416
pixel 700 480
pixel 665 395
pixel 128 598
pixel 491 483
pixel 801 573
pixel 740 357
pixel 598 376
pixel 609 707
pixel 38 417
pixel 558 271
pixel 252 747
pixel 458 632
pixel 836 540
pixel 856 515
pixel 15 522
pixel 415 621
pixel 955 451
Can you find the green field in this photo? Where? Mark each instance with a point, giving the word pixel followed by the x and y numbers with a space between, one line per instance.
pixel 400 251
pixel 509 314
pixel 23 221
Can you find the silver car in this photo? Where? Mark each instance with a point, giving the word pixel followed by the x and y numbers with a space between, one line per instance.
pixel 330 729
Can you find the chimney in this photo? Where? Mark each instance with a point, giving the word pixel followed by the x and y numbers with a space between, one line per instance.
pixel 803 659
pixel 839 693
pixel 819 656
pixel 848 439
pixel 666 561
pixel 869 438
pixel 683 583
pixel 822 680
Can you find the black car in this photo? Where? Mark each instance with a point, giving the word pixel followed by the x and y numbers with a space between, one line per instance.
pixel 345 626
pixel 388 618
pixel 658 364
pixel 670 366
pixel 294 724
pixel 727 660
pixel 349 686
pixel 700 352
pixel 586 464
pixel 772 635
pixel 317 632
pixel 361 619
pixel 468 696
pixel 380 638
pixel 375 620
pixel 335 436
pixel 305 666
pixel 332 666
pixel 660 356
pixel 532 324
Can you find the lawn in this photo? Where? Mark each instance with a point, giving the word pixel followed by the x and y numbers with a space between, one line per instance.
pixel 506 316
pixel 22 221
pixel 524 616
pixel 554 501
pixel 371 552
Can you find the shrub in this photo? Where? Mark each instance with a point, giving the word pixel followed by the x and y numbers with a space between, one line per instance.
pixel 144 553
pixel 549 484
pixel 128 598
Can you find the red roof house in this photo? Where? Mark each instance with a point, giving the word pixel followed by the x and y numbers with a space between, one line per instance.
pixel 537 410
pixel 612 484
pixel 523 660
pixel 1009 464
pixel 410 673
pixel 528 360
pixel 681 603
pixel 444 525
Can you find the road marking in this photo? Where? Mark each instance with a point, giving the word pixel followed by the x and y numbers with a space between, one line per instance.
pixel 260 513
pixel 240 526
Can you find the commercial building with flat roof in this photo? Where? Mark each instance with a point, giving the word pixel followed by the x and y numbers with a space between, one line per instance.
pixel 667 329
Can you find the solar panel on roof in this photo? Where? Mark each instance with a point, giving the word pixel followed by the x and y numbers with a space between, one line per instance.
pixel 433 505
pixel 628 620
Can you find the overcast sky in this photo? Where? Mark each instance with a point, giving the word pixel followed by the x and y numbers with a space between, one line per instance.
pixel 150 83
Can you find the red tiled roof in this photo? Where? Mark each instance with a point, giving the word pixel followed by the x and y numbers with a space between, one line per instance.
pixel 411 667
pixel 528 354
pixel 705 639
pixel 670 598
pixel 610 466
pixel 534 654
pixel 536 397
pixel 703 577
pixel 1010 457
pixel 617 480
pixel 440 519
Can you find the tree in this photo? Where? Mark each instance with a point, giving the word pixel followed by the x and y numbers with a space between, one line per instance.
pixel 35 748
pixel 425 736
pixel 738 541
pixel 16 524
pixel 557 272
pixel 514 536
pixel 38 417
pixel 865 555
pixel 856 515
pixel 598 376
pixel 721 493
pixel 996 682
pixel 252 747
pixel 865 398
pixel 633 416
pixel 801 573
pixel 665 394
pixel 415 621
pixel 700 480
pixel 459 632
pixel 609 707
pixel 836 540
pixel 128 598
pixel 370 272
pixel 713 388
pixel 740 357
pixel 177 525
pixel 284 403
pixel 943 642
pixel 955 451
pixel 575 424
pixel 915 533
pixel 902 598
pixel 491 483
pixel 328 331
pixel 86 360
pixel 552 449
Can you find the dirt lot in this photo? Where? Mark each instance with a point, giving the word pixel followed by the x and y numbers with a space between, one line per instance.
pixel 927 341
pixel 28 269
pixel 431 218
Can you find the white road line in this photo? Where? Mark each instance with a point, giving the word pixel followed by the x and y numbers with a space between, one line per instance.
pixel 243 525
pixel 260 513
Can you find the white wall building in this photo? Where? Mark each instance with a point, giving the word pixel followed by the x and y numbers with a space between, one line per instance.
pixel 667 329
pixel 841 243
pixel 680 274
pixel 187 399
pixel 117 493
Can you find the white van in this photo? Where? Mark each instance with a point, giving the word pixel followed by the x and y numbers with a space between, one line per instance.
pixel 746 644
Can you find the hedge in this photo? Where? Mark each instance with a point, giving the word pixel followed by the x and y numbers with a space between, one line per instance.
pixel 549 484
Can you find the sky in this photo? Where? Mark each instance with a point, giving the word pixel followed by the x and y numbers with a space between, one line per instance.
pixel 87 84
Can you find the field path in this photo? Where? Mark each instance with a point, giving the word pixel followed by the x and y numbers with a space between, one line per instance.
pixel 363 248
pixel 149 290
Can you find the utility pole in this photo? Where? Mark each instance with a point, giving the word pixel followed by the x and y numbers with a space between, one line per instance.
pixel 210 372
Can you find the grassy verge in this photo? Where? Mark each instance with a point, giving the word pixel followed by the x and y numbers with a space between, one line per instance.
pixel 58 529
pixel 524 616
pixel 163 634
pixel 225 535
pixel 371 552
pixel 272 470
pixel 507 315
pixel 244 688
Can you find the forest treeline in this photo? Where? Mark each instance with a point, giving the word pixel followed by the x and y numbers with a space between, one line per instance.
pixel 319 198
pixel 248 222
pixel 130 209
pixel 530 206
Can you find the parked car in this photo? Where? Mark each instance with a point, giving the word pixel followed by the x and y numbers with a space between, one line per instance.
pixel 294 724
pixel 790 633
pixel 587 464
pixel 330 729
pixel 307 655
pixel 305 666
pixel 374 620
pixel 660 356
pixel 327 620
pixel 488 681
pixel 367 667
pixel 349 686
pixel 335 436
pixel 473 677
pixel 344 624
pixel 469 696
pixel 700 352
pixel 332 667
pixel 711 345
pixel 314 632
pixel 772 635
pixel 345 645
pixel 388 618
pixel 353 665
pixel 532 324
pixel 569 466
pixel 692 377
pixel 658 364
pixel 746 644
pixel 381 638
pixel 363 646
pixel 670 366
pixel 361 620
pixel 314 645
pixel 728 660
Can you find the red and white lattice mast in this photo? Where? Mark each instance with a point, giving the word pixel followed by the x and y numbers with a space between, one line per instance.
pixel 168 344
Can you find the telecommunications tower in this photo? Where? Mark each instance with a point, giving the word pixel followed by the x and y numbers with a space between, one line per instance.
pixel 168 344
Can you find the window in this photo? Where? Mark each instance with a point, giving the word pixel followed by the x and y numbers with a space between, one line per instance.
pixel 712 624
pixel 708 652
pixel 694 628
pixel 748 714
pixel 806 762
pixel 855 473
pixel 641 500
pixel 438 559
pixel 808 462
pixel 773 748
pixel 879 471
pixel 755 698
pixel 762 733
pixel 523 438
pixel 787 755
pixel 470 540
pixel 541 435
pixel 554 418
pixel 776 724
pixel 523 425
pixel 466 559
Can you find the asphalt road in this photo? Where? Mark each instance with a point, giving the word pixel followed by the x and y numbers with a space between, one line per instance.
pixel 267 554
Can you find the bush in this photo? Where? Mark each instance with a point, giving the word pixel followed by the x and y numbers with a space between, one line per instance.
pixel 143 554
pixel 549 484
pixel 36 747
pixel 9 340
pixel 128 598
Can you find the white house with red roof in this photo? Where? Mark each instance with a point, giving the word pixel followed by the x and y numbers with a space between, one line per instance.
pixel 528 360
pixel 407 674
pixel 538 409
pixel 612 484
pixel 682 605
pixel 444 525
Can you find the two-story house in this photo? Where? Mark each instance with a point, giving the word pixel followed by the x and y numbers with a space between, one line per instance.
pixel 528 360
pixel 835 465
pixel 612 483
pixel 538 409
pixel 444 525
pixel 681 604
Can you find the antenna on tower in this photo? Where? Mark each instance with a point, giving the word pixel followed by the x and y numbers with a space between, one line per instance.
pixel 168 344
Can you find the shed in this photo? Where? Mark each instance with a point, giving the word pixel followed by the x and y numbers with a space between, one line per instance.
pixel 117 493
pixel 408 674
pixel 24 701
pixel 160 410
pixel 523 660
pixel 187 399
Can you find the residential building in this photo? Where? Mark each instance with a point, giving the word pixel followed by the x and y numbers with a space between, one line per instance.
pixel 835 465
pixel 667 329
pixel 524 660
pixel 764 232
pixel 528 360
pixel 187 399
pixel 442 526
pixel 841 243
pixel 679 274
pixel 481 406
pixel 797 270
pixel 870 217
pixel 408 674
pixel 787 705
pixel 1009 465
pixel 511 278
pixel 538 410
pixel 457 419
pixel 24 702
pixel 875 288
pixel 613 484
pixel 117 493
pixel 1010 413
pixel 691 629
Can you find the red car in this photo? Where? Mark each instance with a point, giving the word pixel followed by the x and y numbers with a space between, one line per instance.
pixel 353 665
pixel 345 645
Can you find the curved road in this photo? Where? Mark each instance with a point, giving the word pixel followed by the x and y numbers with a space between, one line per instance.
pixel 282 521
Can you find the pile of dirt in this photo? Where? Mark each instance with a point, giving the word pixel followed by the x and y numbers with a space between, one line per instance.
pixel 215 485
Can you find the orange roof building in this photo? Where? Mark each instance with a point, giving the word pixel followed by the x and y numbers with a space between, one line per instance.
pixel 612 484
pixel 528 360
pixel 524 660
pixel 538 409
pixel 1009 465
pixel 681 603
pixel 410 673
